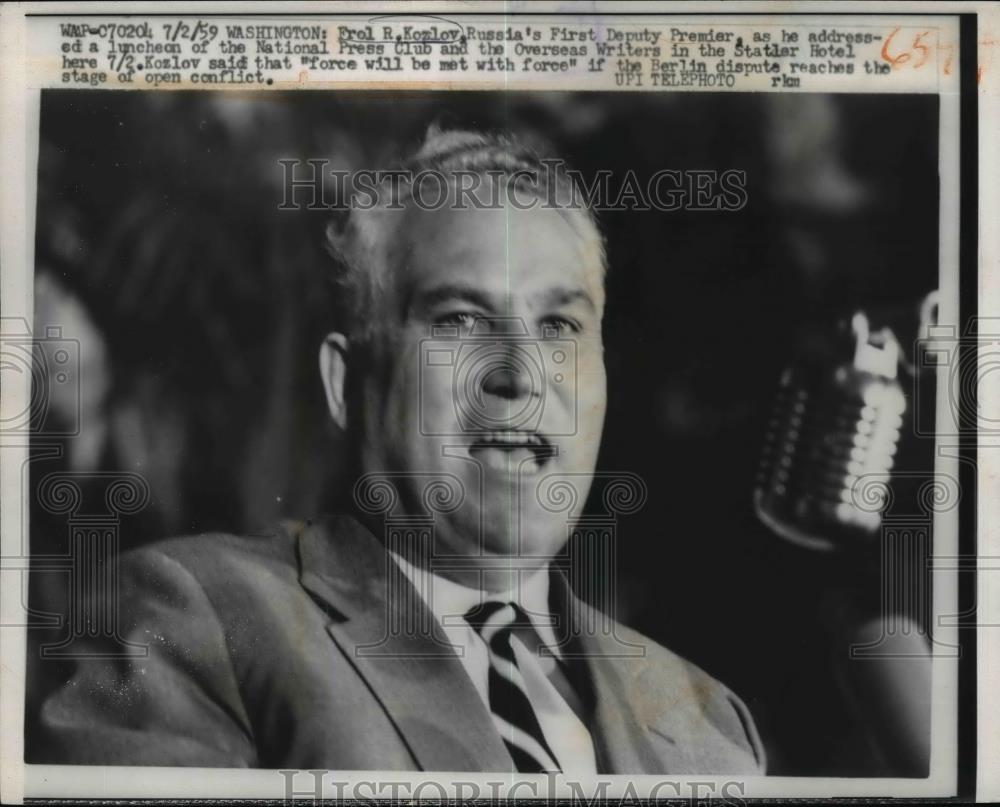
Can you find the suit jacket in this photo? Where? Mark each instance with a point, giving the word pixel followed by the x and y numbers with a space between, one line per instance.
pixel 274 651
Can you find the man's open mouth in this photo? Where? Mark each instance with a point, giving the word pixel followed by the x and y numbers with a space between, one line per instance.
pixel 512 451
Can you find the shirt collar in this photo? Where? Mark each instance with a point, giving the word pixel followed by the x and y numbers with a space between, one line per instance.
pixel 449 599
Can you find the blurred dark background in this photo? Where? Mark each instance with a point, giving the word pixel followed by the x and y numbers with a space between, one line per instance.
pixel 200 307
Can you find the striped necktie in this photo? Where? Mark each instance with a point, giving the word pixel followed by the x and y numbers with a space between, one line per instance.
pixel 512 712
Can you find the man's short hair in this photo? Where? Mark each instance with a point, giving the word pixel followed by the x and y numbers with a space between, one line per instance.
pixel 360 243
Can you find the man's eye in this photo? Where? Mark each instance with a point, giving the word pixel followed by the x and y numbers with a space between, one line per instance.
pixel 559 326
pixel 460 319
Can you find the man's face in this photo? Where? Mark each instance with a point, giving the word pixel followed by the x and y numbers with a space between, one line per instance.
pixel 491 370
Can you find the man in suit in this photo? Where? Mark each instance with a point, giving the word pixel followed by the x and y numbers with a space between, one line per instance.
pixel 427 627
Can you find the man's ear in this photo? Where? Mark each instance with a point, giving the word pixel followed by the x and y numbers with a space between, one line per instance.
pixel 333 357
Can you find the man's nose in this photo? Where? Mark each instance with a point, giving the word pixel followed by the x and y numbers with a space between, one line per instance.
pixel 507 379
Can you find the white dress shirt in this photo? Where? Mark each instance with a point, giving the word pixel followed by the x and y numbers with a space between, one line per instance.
pixel 565 733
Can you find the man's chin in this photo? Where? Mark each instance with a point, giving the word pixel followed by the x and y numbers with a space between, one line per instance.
pixel 530 534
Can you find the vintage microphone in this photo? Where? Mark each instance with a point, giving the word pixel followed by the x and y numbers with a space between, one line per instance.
pixel 823 483
pixel 831 442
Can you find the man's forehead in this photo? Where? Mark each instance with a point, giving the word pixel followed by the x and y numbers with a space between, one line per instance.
pixel 499 294
pixel 505 251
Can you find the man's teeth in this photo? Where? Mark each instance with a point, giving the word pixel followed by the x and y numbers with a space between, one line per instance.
pixel 500 450
pixel 511 438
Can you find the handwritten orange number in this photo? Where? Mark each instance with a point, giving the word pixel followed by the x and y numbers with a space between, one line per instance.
pixel 949 49
pixel 906 55
pixel 895 61
pixel 922 48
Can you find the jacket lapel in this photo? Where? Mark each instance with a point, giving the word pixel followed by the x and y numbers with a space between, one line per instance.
pixel 624 715
pixel 623 738
pixel 397 647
